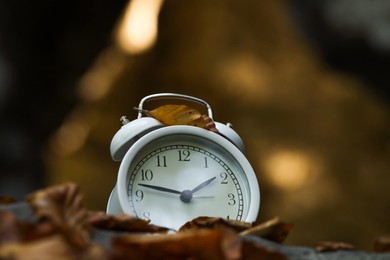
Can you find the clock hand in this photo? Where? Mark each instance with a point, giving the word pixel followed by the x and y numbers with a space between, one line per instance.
pixel 187 195
pixel 203 197
pixel 160 188
pixel 202 185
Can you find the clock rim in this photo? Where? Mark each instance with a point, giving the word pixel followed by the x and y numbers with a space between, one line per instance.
pixel 254 189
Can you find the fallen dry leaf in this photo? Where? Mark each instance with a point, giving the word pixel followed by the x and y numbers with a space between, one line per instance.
pixel 213 222
pixel 193 244
pixel 180 115
pixel 7 200
pixel 9 228
pixel 325 246
pixel 252 250
pixel 61 209
pixel 14 231
pixel 382 244
pixel 273 229
pixel 51 247
pixel 122 222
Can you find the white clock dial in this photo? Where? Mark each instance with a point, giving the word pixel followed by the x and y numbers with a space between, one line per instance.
pixel 176 178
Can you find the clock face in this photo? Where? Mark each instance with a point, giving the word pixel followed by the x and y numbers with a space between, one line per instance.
pixel 175 178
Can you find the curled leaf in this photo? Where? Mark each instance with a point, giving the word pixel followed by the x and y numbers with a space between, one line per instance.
pixel 325 246
pixel 180 115
pixel 209 124
pixel 61 208
pixel 273 229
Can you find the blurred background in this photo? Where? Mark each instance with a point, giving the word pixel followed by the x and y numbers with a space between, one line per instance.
pixel 305 84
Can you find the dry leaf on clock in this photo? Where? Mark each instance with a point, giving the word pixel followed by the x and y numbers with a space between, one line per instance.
pixel 180 115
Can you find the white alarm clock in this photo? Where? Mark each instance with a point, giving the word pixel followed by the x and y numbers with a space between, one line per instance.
pixel 172 174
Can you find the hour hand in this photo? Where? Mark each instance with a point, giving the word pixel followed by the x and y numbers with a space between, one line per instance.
pixel 154 187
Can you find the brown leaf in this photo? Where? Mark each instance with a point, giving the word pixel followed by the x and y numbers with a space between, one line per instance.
pixel 210 125
pixel 97 252
pixel 213 222
pixel 61 208
pixel 180 115
pixel 194 244
pixel 382 244
pixel 252 250
pixel 122 222
pixel 12 230
pixel 9 228
pixel 51 247
pixel 7 200
pixel 325 246
pixel 273 229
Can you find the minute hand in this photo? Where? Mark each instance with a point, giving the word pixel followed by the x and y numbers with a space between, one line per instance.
pixel 160 188
pixel 202 185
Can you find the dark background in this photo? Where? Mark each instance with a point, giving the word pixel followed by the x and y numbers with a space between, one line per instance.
pixel 304 83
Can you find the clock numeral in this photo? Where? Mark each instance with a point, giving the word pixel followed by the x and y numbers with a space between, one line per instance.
pixel 232 200
pixel 184 155
pixel 161 161
pixel 205 163
pixel 146 215
pixel 140 195
pixel 224 177
pixel 146 175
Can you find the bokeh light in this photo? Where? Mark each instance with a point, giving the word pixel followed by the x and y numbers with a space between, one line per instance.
pixel 288 170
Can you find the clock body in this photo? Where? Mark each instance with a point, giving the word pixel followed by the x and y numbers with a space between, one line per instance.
pixel 176 173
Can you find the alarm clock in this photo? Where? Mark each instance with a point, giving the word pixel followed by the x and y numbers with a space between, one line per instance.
pixel 169 175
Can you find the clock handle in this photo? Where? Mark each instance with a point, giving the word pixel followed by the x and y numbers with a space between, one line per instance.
pixel 224 130
pixel 174 96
